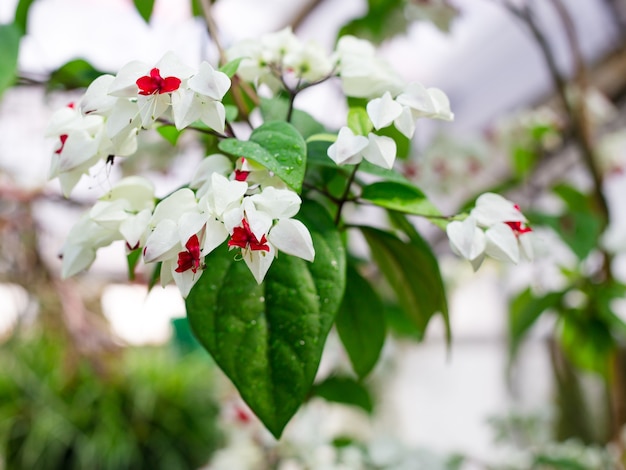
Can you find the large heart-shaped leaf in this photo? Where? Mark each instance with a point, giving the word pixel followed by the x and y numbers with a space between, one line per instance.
pixel 268 338
pixel 276 145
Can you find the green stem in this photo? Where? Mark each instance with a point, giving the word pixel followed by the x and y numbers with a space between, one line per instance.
pixel 346 193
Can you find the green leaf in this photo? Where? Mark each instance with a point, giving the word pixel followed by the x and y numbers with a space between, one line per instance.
pixel 169 133
pixel 268 338
pixel 77 73
pixel 412 271
pixel 344 390
pixel 230 68
pixel 361 323
pixel 10 40
pixel 21 15
pixel 144 7
pixel 276 145
pixel 132 259
pixel 388 175
pixel 403 197
pixel 524 311
pixel 276 109
pixel 579 230
pixel 359 122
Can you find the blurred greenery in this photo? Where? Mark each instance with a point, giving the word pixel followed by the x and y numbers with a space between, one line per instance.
pixel 134 408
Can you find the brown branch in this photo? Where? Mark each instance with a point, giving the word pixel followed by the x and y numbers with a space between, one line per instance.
pixel 304 13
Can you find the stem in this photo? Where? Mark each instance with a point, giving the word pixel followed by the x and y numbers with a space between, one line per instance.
pixel 346 193
pixel 302 15
pixel 212 28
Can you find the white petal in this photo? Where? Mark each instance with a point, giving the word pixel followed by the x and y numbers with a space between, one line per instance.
pixel 442 104
pixel 109 214
pixel 185 280
pixel 76 258
pixel 292 237
pixel 125 82
pixel 346 146
pixel 417 97
pixel 383 111
pixel 214 235
pixel 134 227
pixel 405 123
pixel 136 190
pixel 174 205
pixel 277 203
pixel 209 82
pixel 381 151
pixel 189 224
pixel 492 208
pixel 526 245
pixel 259 262
pixel 213 114
pixel 260 222
pixel 225 193
pixel 502 243
pixel 163 242
pixel 467 240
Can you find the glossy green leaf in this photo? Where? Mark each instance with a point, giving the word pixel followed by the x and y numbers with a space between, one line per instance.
pixel 361 323
pixel 144 8
pixel 346 391
pixel 276 145
pixel 268 339
pixel 412 271
pixel 77 73
pixel 359 122
pixel 10 40
pixel 524 311
pixel 21 15
pixel 230 68
pixel 275 109
pixel 402 197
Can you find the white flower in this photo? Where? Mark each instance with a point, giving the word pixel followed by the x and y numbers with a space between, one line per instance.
pixel 506 238
pixel 263 226
pixel 201 99
pixel 350 149
pixel 362 73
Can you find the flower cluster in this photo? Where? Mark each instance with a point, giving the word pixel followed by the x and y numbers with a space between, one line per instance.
pixel 495 227
pixel 106 120
pixel 184 227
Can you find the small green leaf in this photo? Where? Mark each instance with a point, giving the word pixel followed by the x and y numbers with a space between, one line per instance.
pixel 361 323
pixel 275 109
pixel 388 175
pixel 383 20
pixel 359 122
pixel 77 73
pixel 276 145
pixel 133 258
pixel 268 338
pixel 403 197
pixel 344 390
pixel 169 133
pixel 524 311
pixel 230 68
pixel 412 271
pixel 144 8
pixel 21 15
pixel 10 40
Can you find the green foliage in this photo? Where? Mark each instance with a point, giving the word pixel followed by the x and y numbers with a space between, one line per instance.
pixel 269 338
pixel 10 35
pixel 21 15
pixel 344 390
pixel 276 109
pixel 412 272
pixel 77 73
pixel 402 197
pixel 276 145
pixel 359 121
pixel 383 20
pixel 361 323
pixel 524 311
pixel 230 68
pixel 149 409
pixel 169 133
pixel 144 8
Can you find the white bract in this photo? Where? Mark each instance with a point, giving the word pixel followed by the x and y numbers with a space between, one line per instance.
pixel 350 149
pixel 495 227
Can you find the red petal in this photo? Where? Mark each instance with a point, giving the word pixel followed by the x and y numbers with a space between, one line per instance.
pixel 169 85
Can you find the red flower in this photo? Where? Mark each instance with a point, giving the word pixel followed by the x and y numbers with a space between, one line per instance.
pixel 189 259
pixel 154 83
pixel 244 238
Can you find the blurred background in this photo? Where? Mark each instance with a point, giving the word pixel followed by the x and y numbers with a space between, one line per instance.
pixel 99 372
